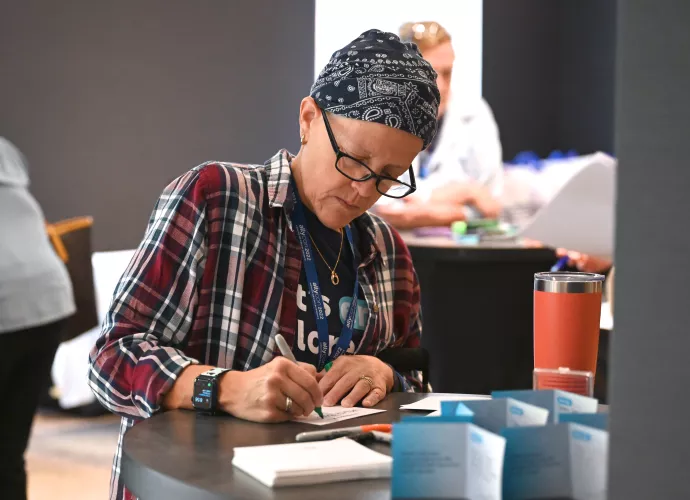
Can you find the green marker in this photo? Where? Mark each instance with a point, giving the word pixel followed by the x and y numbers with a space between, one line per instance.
pixel 318 410
pixel 286 352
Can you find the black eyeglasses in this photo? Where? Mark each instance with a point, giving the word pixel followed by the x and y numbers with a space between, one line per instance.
pixel 357 171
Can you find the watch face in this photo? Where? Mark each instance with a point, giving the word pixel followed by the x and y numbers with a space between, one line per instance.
pixel 203 395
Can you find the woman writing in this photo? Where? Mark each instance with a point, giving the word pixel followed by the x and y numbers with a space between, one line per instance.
pixel 236 254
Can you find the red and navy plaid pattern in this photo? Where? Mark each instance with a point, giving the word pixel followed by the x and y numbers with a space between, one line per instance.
pixel 215 279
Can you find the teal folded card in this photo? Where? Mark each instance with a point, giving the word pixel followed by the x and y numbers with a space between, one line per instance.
pixel 596 420
pixel 496 414
pixel 441 458
pixel 562 461
pixel 557 402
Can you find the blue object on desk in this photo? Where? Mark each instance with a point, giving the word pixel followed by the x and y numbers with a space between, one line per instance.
pixel 556 401
pixel 596 420
pixel 457 410
pixel 555 461
pixel 560 264
pixel 437 458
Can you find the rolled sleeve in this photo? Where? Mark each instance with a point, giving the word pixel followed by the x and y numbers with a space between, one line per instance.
pixel 138 356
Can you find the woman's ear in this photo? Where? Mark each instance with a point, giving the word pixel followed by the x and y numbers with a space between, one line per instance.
pixel 309 112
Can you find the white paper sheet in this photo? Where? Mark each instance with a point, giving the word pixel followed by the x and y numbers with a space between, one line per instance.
pixel 581 216
pixel 433 403
pixel 333 414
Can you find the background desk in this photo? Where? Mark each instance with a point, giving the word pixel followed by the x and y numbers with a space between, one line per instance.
pixel 179 455
pixel 477 312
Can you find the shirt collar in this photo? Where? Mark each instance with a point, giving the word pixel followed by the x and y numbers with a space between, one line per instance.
pixel 279 174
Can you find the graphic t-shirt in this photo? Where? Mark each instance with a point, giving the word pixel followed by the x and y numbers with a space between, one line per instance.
pixel 336 298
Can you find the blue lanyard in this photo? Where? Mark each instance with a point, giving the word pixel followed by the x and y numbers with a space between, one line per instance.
pixel 315 289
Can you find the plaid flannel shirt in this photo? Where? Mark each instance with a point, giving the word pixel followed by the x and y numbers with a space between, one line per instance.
pixel 215 279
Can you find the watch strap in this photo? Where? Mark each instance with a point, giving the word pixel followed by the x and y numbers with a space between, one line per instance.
pixel 214 372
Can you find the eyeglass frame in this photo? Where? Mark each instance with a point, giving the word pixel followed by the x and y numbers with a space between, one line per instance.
pixel 372 175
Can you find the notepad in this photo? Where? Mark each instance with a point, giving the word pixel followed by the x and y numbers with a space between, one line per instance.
pixel 311 463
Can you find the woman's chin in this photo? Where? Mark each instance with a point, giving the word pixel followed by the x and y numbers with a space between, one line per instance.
pixel 334 219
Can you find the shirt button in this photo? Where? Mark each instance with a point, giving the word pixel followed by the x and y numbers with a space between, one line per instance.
pixel 375 308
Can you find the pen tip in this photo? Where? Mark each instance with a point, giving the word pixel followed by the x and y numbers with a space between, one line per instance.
pixel 319 412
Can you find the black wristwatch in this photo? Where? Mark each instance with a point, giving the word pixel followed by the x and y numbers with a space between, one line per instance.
pixel 205 398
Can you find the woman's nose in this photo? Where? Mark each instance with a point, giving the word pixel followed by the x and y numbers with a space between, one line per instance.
pixel 366 188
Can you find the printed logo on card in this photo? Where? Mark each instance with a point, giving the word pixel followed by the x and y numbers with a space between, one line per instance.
pixel 476 438
pixel 562 400
pixel 581 435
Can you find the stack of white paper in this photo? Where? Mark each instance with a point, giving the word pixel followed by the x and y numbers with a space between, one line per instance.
pixel 310 463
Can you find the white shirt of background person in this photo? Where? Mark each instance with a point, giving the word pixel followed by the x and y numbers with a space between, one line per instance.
pixel 468 149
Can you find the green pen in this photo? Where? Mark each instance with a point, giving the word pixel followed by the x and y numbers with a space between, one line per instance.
pixel 318 410
pixel 287 353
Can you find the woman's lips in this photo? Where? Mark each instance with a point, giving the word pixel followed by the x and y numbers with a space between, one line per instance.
pixel 347 205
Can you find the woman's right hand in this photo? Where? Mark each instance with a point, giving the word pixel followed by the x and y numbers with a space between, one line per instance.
pixel 260 395
pixel 583 262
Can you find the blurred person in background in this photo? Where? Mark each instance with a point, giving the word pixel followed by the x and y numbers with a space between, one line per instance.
pixel 460 175
pixel 35 299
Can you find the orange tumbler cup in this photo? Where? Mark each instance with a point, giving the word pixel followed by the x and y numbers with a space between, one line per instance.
pixel 567 310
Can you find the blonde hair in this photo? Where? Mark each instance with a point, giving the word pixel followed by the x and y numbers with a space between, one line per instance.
pixel 426 34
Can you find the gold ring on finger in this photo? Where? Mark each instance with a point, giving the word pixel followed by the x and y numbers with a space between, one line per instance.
pixel 368 380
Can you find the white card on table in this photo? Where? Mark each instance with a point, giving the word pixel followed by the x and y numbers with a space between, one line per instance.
pixel 433 403
pixel 333 414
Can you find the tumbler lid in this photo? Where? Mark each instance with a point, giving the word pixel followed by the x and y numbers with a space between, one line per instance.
pixel 565 282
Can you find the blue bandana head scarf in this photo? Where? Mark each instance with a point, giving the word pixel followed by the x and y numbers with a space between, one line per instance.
pixel 377 78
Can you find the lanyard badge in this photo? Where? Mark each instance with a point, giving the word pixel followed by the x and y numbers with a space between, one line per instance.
pixel 315 289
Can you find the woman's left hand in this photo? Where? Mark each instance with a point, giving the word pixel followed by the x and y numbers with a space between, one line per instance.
pixel 346 380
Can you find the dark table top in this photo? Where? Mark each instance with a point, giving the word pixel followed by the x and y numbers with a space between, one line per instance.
pixel 181 455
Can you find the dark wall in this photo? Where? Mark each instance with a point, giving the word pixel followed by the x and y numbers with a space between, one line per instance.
pixel 650 447
pixel 110 101
pixel 548 73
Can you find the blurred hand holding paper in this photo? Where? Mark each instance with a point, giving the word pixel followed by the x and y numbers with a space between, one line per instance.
pixel 581 216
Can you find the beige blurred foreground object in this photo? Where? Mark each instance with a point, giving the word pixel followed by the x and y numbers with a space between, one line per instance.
pixel 70 458
pixel 610 287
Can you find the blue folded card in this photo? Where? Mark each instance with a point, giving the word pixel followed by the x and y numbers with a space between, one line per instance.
pixel 495 414
pixel 596 420
pixel 436 457
pixel 563 461
pixel 557 402
pixel 457 410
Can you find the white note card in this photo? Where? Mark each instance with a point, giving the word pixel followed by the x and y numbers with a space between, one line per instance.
pixel 333 414
pixel 433 403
